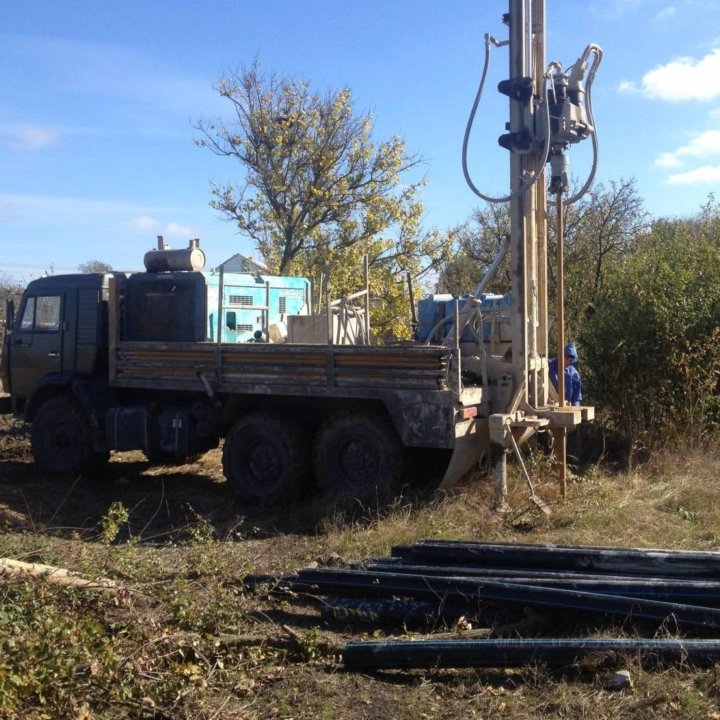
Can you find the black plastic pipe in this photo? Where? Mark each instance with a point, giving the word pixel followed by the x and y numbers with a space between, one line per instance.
pixel 273 583
pixel 630 561
pixel 419 613
pixel 693 592
pixel 709 554
pixel 514 653
pixel 401 565
pixel 421 587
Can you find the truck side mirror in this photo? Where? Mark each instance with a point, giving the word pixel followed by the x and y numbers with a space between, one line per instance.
pixel 9 313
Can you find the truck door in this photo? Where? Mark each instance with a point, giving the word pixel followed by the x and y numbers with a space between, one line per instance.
pixel 37 341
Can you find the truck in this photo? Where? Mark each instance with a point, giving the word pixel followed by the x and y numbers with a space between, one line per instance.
pixel 106 362
pixel 112 362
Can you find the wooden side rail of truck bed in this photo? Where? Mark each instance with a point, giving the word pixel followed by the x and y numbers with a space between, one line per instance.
pixel 227 366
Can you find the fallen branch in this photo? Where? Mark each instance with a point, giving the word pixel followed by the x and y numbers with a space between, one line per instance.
pixel 51 574
pixel 475 634
pixel 291 640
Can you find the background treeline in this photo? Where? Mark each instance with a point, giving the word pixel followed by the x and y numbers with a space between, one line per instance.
pixel 319 191
pixel 642 303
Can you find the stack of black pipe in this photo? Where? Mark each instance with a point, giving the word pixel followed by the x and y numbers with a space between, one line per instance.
pixel 681 588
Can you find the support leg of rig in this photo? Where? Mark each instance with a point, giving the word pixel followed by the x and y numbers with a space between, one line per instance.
pixel 560 447
pixel 500 469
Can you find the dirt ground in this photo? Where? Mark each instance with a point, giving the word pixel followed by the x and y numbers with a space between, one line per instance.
pixel 184 549
pixel 163 501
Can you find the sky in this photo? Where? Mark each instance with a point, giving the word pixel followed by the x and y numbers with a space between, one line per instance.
pixel 100 97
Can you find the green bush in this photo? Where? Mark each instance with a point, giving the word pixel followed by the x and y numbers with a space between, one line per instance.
pixel 652 348
pixel 53 650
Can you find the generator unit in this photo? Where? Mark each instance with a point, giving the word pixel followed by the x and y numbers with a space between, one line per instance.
pixel 251 303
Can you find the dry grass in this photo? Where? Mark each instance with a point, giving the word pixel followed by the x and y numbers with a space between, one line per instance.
pixel 153 652
pixel 672 502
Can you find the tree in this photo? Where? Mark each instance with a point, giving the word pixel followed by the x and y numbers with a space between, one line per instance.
pixel 475 245
pixel 316 185
pixel 600 230
pixel 653 345
pixel 413 252
pixel 10 289
pixel 94 266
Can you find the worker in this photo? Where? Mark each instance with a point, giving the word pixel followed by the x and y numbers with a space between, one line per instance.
pixel 573 392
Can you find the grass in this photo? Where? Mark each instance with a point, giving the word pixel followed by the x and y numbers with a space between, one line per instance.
pixel 181 639
pixel 672 502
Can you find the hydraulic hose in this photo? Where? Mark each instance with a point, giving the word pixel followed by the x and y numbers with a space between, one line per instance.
pixel 524 186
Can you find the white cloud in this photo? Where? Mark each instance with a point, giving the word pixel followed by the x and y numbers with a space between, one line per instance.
pixel 112 70
pixel 701 146
pixel 699 176
pixel 144 223
pixel 147 223
pixel 627 87
pixel 74 211
pixel 613 9
pixel 684 78
pixel 26 136
pixel 61 208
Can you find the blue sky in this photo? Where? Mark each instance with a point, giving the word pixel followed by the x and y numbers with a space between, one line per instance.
pixel 99 99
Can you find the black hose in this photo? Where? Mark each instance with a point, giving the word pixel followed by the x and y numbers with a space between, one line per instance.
pixel 524 186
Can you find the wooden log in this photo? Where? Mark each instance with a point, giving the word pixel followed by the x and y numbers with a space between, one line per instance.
pixel 51 574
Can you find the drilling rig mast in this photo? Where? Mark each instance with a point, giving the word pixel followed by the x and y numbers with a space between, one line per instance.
pixel 549 110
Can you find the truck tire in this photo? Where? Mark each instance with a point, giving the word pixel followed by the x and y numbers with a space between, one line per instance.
pixel 61 440
pixel 265 458
pixel 358 455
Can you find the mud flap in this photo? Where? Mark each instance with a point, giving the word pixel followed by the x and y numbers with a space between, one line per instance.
pixel 471 443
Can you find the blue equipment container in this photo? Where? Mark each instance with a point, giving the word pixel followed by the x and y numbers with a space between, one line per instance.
pixel 432 309
pixel 252 303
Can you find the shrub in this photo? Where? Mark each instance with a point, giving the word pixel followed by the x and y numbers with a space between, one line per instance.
pixel 652 347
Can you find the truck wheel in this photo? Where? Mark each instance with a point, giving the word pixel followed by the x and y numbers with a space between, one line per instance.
pixel 359 455
pixel 61 440
pixel 265 458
